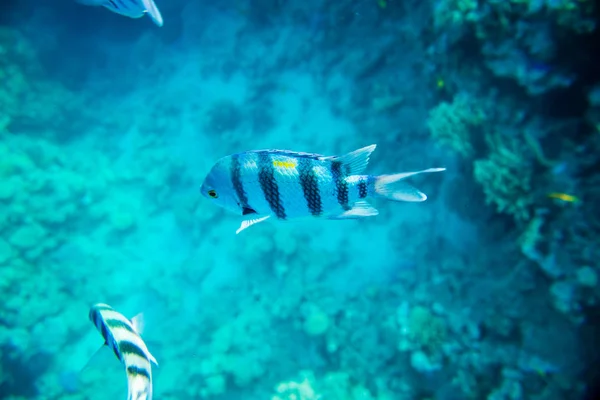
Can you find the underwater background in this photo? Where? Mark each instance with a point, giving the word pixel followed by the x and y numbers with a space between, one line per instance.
pixel 487 290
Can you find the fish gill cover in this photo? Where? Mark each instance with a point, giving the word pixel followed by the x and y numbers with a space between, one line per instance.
pixel 109 125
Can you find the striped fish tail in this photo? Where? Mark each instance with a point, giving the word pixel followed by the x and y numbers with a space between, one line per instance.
pixel 344 166
pixel 139 383
pixel 390 187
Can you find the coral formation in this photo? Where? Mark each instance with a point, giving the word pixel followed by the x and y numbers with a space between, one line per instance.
pixel 98 199
pixel 505 177
pixel 452 124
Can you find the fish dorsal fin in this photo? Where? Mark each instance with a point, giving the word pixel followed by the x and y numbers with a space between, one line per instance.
pixel 356 161
pixel 138 323
pixel 249 222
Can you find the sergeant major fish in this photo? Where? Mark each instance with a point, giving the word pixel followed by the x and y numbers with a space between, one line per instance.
pixel 121 335
pixel 129 8
pixel 285 185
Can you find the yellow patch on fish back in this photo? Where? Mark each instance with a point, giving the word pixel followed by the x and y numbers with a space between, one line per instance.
pixel 564 197
pixel 284 164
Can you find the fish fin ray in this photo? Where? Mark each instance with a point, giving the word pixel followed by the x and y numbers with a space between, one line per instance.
pixel 102 358
pixel 153 12
pixel 152 359
pixel 360 209
pixel 356 161
pixel 401 191
pixel 139 324
pixel 249 222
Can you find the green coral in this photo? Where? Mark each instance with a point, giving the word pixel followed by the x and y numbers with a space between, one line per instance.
pixel 506 177
pixel 451 124
pixel 30 98
pixel 335 385
pixel 425 329
pixel 576 15
pixel 455 12
pixel 302 390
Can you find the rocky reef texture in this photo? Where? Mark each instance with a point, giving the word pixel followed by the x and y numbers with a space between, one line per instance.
pixel 488 290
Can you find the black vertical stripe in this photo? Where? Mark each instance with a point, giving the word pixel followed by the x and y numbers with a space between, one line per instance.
pixel 362 188
pixel 310 186
pixel 127 347
pixel 112 344
pixel 268 184
pixel 341 185
pixel 93 315
pixel 135 371
pixel 117 323
pixel 103 330
pixel 236 180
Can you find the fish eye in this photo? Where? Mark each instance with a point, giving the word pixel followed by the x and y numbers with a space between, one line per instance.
pixel 213 194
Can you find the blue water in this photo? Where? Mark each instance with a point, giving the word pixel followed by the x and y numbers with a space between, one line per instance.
pixel 487 290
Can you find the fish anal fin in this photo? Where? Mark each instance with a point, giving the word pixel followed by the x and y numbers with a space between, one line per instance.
pixel 356 161
pixel 360 209
pixel 249 222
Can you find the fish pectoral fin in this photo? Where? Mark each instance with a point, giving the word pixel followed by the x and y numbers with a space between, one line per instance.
pixel 360 209
pixel 249 222
pixel 153 12
pixel 356 161
pixel 102 359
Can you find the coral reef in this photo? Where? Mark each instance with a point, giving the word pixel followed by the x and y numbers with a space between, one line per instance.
pixel 452 124
pixel 99 200
pixel 505 177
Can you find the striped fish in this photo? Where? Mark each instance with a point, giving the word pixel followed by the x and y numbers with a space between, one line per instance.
pixel 285 185
pixel 129 8
pixel 121 335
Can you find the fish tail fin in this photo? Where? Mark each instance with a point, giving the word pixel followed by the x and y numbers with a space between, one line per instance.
pixel 390 187
pixel 153 11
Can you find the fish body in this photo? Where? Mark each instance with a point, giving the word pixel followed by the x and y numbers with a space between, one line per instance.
pixel 129 8
pixel 287 185
pixel 122 337
pixel 569 198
